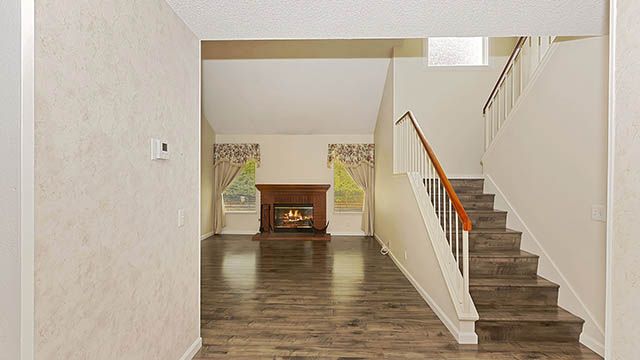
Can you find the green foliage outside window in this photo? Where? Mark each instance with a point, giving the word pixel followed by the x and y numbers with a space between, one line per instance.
pixel 347 196
pixel 241 194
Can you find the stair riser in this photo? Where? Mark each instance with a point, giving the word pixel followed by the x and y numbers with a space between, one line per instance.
pixel 493 242
pixel 475 202
pixel 472 186
pixel 514 295
pixel 528 331
pixel 462 186
pixel 494 220
pixel 486 266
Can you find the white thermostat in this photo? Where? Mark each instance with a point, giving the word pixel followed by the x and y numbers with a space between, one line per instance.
pixel 159 150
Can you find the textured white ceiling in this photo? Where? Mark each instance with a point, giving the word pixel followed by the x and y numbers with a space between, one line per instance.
pixel 293 96
pixel 348 19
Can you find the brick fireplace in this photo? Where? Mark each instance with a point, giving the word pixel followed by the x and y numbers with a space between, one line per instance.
pixel 289 211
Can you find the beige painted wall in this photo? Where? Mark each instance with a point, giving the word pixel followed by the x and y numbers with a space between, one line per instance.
pixel 550 162
pixel 297 159
pixel 115 277
pixel 208 138
pixel 10 182
pixel 447 102
pixel 623 323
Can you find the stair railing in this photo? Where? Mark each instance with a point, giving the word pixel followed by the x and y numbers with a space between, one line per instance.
pixel 527 56
pixel 412 154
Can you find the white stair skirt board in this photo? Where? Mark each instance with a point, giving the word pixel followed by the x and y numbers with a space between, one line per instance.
pixel 548 268
pixel 464 333
pixel 192 350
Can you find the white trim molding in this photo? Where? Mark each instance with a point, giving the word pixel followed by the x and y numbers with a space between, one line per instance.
pixel 192 350
pixel 27 181
pixel 553 273
pixel 611 148
pixel 207 235
pixel 464 332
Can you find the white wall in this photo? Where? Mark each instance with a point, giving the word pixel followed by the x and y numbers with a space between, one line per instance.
pixel 10 187
pixel 623 320
pixel 293 95
pixel 295 159
pixel 448 101
pixel 549 160
pixel 399 224
pixel 116 278
pixel 347 19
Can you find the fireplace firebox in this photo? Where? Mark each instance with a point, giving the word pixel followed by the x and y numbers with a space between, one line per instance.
pixel 293 217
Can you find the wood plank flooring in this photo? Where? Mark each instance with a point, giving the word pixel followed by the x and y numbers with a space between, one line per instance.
pixel 328 300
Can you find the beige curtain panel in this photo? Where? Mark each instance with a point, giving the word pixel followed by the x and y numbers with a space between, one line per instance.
pixel 363 176
pixel 228 160
pixel 358 160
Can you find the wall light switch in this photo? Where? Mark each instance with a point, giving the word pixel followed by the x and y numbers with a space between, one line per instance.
pixel 159 150
pixel 598 213
pixel 180 217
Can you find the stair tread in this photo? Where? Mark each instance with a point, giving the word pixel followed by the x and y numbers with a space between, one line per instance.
pixel 501 254
pixel 538 282
pixel 495 231
pixel 526 314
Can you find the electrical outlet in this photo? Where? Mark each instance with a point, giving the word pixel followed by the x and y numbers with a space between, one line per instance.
pixel 180 217
pixel 598 213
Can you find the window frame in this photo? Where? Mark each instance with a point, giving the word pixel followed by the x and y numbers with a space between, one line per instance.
pixel 333 184
pixel 255 210
pixel 485 57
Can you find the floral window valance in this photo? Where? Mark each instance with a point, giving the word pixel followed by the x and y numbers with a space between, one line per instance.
pixel 236 154
pixel 351 155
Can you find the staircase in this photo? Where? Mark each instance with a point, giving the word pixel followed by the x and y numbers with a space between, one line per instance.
pixel 513 302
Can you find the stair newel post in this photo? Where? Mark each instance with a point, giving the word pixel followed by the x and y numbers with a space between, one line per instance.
pixel 466 306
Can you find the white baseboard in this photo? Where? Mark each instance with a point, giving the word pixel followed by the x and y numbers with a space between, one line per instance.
pixel 593 344
pixel 204 236
pixel 357 233
pixel 555 274
pixel 238 232
pixel 192 350
pixel 466 336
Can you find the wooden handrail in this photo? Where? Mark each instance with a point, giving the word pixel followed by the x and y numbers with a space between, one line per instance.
pixel 515 51
pixel 466 222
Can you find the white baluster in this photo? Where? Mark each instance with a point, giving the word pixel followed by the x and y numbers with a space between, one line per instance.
pixel 466 307
pixel 450 230
pixel 457 243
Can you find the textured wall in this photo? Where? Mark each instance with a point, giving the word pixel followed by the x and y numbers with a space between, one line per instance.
pixel 10 180
pixel 115 277
pixel 348 19
pixel 624 322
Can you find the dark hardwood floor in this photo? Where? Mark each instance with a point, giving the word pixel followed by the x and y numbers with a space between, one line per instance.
pixel 328 300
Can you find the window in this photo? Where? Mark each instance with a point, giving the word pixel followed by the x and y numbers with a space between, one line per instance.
pixel 240 196
pixel 457 51
pixel 347 196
